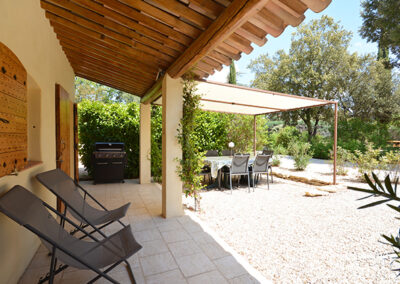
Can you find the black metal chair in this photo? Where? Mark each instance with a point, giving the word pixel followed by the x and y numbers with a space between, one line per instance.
pixel 212 153
pixel 269 153
pixel 227 152
pixel 29 211
pixel 259 167
pixel 239 167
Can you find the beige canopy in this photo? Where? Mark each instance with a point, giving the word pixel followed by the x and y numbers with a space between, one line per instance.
pixel 227 98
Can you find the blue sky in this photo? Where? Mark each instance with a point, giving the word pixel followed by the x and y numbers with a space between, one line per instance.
pixel 347 12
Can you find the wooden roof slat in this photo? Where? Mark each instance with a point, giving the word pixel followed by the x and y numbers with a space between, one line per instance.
pixel 148 44
pixel 96 35
pixel 105 48
pixel 317 5
pixel 210 8
pixel 147 21
pixel 165 17
pixel 215 64
pixel 129 22
pixel 201 65
pixel 185 12
pixel 105 31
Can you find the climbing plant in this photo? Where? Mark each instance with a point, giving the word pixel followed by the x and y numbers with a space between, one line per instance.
pixel 192 159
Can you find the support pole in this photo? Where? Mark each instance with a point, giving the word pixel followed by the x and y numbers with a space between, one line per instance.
pixel 145 144
pixel 255 136
pixel 335 142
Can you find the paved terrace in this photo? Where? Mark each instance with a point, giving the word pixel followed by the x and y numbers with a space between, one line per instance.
pixel 177 250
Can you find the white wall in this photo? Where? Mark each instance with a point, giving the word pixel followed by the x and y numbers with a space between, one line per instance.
pixel 25 30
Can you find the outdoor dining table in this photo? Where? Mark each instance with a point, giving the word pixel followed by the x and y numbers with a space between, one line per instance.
pixel 217 163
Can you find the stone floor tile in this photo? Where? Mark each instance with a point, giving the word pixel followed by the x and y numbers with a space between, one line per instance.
pixel 192 227
pixel 212 277
pixel 194 264
pixel 147 235
pixel 169 225
pixel 158 263
pixel 175 236
pixel 153 247
pixel 213 250
pixel 169 277
pixel 244 279
pixel 229 267
pixel 202 238
pixel 184 248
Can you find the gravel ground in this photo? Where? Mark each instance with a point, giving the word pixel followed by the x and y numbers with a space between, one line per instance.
pixel 290 238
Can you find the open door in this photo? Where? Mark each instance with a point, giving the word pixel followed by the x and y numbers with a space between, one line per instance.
pixel 63 147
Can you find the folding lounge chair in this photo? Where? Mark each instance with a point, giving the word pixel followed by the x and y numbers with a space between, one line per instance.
pixel 29 211
pixel 68 191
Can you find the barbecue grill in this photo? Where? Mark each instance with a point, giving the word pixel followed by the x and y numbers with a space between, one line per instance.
pixel 109 159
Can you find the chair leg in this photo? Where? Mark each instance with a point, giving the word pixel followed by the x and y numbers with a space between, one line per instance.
pixel 130 272
pixel 230 182
pixel 272 176
pixel 248 181
pixel 268 180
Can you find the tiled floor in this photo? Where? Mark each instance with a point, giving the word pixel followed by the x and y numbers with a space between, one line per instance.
pixel 177 250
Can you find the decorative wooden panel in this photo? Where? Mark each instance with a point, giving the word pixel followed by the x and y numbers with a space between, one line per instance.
pixel 13 113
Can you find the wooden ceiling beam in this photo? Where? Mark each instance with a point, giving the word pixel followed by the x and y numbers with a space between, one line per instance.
pixel 215 64
pixel 284 14
pixel 234 16
pixel 165 17
pixel 109 50
pixel 183 11
pixel 201 65
pixel 210 8
pixel 317 5
pixel 222 48
pixel 219 57
pixel 240 43
pixel 144 43
pixel 147 21
pixel 251 37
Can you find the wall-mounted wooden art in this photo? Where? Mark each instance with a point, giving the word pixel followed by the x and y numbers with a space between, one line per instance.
pixel 13 113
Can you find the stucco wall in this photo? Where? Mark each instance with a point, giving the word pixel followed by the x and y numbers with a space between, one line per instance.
pixel 25 30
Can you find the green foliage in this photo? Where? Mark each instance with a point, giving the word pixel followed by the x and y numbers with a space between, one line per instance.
pixel 321 147
pixel 368 160
pixel 232 73
pixel 381 20
pixel 391 164
pixel 156 143
pixel 343 157
pixel 284 136
pixel 354 133
pixel 301 154
pixel 389 193
pixel 192 159
pixel 88 90
pixel 99 122
pixel 276 161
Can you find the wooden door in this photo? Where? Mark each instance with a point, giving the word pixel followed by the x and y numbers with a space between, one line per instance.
pixel 63 147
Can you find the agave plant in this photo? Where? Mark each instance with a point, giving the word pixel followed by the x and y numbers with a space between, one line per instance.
pixel 388 193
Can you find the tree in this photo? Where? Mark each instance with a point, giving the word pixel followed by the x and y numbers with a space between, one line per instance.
pixel 316 66
pixel 319 65
pixel 85 89
pixel 381 20
pixel 232 73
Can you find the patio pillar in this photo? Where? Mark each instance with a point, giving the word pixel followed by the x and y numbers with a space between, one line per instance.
pixel 172 92
pixel 145 144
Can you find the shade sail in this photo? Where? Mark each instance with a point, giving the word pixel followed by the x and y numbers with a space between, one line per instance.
pixel 229 98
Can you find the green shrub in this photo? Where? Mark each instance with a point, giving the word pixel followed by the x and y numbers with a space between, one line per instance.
pixel 156 143
pixel 367 161
pixel 321 147
pixel 391 164
pixel 301 154
pixel 285 136
pixel 276 161
pixel 343 156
